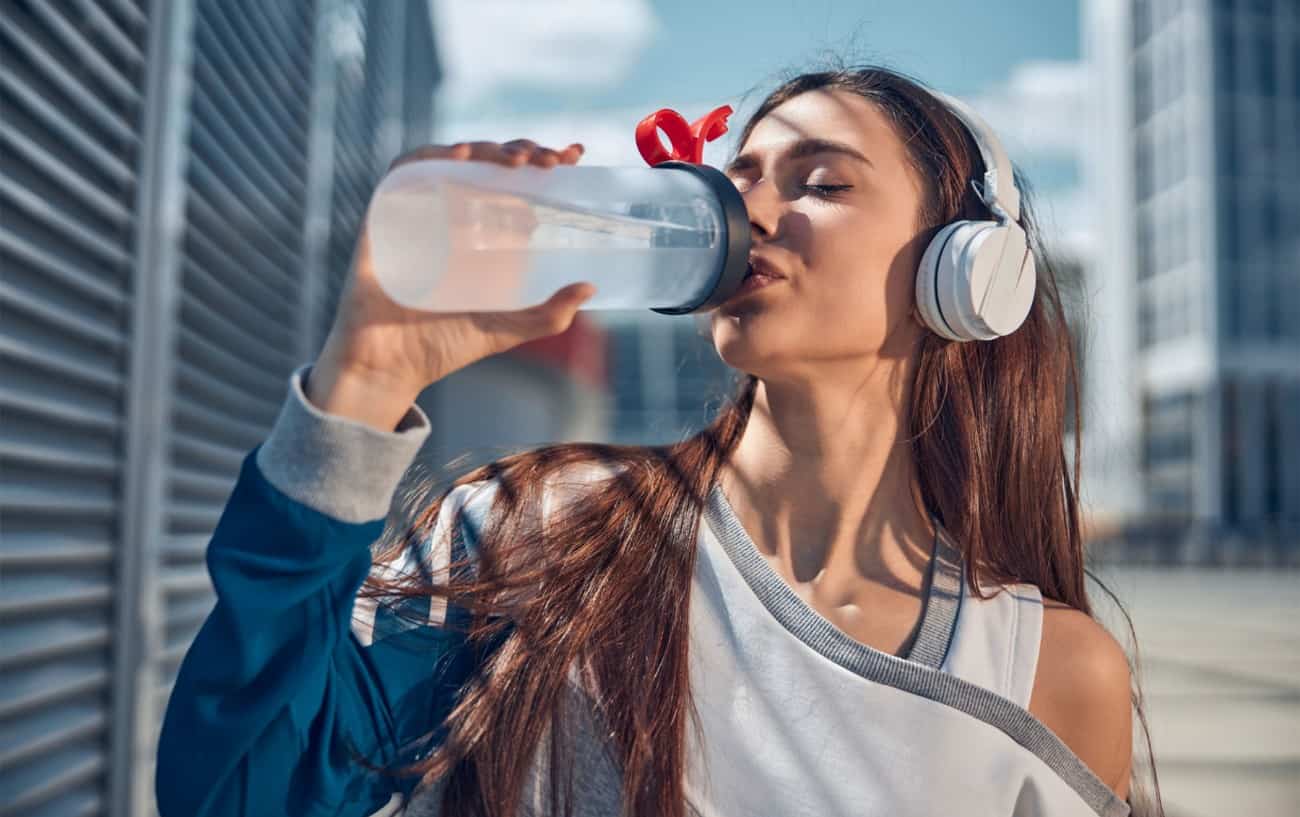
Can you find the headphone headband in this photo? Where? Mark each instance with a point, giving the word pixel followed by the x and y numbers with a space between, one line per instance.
pixel 999 190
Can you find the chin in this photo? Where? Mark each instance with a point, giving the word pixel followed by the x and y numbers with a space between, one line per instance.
pixel 743 343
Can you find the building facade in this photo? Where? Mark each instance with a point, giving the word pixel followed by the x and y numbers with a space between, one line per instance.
pixel 1196 166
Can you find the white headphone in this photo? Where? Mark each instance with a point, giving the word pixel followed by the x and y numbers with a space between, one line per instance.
pixel 976 278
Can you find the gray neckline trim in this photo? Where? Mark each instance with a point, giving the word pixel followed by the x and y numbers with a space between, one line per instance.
pixel 916 677
pixel 942 602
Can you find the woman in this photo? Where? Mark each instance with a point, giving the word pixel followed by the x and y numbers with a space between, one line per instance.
pixel 860 590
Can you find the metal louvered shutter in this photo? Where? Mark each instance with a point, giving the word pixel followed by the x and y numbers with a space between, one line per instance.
pixel 241 263
pixel 354 166
pixel 71 76
pixel 238 297
pixel 385 75
pixel 180 187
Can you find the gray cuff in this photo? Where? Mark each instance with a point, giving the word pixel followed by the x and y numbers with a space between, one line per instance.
pixel 340 467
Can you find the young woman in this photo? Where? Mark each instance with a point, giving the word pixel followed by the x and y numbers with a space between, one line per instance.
pixel 860 590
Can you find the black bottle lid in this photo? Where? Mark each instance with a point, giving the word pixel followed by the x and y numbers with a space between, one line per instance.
pixel 734 262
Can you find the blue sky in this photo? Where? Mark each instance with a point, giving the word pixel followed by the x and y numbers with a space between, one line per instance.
pixel 587 70
pixel 718 49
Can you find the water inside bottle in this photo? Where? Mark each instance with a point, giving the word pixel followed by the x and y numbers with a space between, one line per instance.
pixel 459 247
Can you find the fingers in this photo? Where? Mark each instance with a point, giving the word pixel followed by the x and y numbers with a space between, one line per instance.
pixel 514 153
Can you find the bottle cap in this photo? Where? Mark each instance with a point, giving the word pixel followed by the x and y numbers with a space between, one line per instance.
pixel 687 140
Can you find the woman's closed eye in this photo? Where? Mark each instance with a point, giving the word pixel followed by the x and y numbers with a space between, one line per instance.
pixel 828 189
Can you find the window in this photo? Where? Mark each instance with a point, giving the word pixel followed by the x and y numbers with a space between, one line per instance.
pixel 1273 478
pixel 1141 22
pixel 1168 450
pixel 1142 90
pixel 1145 241
pixel 1231 450
pixel 1265 73
pixel 1225 54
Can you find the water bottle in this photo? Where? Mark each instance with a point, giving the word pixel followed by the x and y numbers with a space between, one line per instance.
pixel 453 236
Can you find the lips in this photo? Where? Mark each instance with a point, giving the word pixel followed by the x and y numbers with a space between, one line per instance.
pixel 760 266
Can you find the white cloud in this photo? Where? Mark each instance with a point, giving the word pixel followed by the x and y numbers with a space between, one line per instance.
pixel 1041 109
pixel 488 44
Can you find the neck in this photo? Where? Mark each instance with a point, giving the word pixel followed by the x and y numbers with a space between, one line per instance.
pixel 824 480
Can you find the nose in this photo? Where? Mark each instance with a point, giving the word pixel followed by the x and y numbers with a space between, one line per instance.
pixel 762 201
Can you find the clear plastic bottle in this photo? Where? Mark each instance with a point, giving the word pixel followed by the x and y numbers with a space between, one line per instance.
pixel 452 235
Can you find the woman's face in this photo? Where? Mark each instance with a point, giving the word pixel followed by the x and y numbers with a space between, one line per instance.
pixel 849 250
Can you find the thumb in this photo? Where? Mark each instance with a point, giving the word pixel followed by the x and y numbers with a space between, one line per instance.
pixel 556 313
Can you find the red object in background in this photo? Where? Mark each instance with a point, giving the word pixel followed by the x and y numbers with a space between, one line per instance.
pixel 580 351
pixel 687 140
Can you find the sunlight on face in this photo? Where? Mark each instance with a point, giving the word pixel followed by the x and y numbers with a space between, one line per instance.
pixel 844 230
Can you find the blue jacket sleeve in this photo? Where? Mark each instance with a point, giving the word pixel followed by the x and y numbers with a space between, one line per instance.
pixel 291 673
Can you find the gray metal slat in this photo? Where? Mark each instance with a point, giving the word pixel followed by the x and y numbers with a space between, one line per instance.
pixel 236 433
pixel 60 364
pixel 173 654
pixel 185 581
pixel 60 317
pixel 249 195
pixel 301 27
pixel 109 208
pixel 289 43
pixel 202 285
pixel 50 685
pixel 56 411
pixel 254 380
pixel 46 555
pixel 354 189
pixel 13 605
pixel 245 96
pixel 79 45
pixel 73 134
pixel 224 393
pixel 76 460
pixel 234 330
pixel 193 515
pixel 53 785
pixel 34 500
pixel 193 450
pixel 49 649
pixel 188 547
pixel 215 128
pixel 222 207
pixel 61 270
pixel 126 48
pixel 96 109
pixel 261 73
pixel 210 88
pixel 196 484
pixel 230 254
pixel 267 50
pixel 188 616
pixel 351 211
pixel 349 134
pixel 131 11
pixel 72 228
pixel 88 725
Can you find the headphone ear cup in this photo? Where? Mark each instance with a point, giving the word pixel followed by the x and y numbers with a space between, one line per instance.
pixel 1004 277
pixel 976 280
pixel 935 279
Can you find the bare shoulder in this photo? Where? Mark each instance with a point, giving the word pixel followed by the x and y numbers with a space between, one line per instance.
pixel 1081 692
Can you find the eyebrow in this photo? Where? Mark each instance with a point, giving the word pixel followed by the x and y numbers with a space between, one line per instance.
pixel 804 147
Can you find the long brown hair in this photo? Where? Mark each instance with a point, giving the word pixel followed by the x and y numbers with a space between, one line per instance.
pixel 605 586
